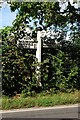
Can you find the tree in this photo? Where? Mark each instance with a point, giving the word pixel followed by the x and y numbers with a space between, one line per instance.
pixel 19 67
pixel 46 15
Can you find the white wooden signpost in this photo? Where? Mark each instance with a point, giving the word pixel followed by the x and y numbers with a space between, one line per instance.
pixel 38 46
pixel 31 44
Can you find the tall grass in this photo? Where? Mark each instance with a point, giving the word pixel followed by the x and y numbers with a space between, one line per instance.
pixel 40 100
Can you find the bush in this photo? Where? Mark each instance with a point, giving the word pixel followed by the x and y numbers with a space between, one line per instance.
pixel 59 71
pixel 18 68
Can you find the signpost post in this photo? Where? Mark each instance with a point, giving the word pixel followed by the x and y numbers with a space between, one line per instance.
pixel 38 56
pixel 38 51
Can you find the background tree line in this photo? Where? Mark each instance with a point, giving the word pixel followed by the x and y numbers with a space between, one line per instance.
pixel 60 65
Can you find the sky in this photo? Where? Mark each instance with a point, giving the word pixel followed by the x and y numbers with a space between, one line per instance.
pixel 6 16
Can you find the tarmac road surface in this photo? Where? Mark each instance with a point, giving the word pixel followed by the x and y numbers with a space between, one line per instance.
pixel 65 111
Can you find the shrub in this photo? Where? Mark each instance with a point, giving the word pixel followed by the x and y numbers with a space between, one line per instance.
pixel 59 71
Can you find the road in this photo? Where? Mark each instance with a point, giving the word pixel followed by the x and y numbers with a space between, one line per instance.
pixel 69 111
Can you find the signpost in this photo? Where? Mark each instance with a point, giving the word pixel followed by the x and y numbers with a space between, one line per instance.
pixel 38 50
pixel 30 44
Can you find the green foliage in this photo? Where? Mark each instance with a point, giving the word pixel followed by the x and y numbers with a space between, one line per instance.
pixel 59 71
pixel 45 15
pixel 18 68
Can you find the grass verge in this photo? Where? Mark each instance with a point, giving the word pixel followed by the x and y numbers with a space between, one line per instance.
pixel 40 100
